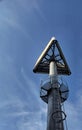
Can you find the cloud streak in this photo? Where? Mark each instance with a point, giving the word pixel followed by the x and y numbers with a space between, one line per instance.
pixel 74 114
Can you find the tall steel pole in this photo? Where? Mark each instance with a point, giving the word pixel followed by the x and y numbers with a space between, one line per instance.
pixel 53 62
pixel 54 118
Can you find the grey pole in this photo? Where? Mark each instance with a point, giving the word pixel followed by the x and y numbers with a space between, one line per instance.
pixel 54 116
pixel 52 62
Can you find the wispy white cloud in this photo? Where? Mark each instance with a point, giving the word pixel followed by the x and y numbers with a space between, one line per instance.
pixel 31 7
pixel 74 115
pixel 14 108
pixel 25 119
pixel 30 83
pixel 34 121
pixel 10 19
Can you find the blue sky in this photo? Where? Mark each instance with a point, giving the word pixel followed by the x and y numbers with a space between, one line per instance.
pixel 25 29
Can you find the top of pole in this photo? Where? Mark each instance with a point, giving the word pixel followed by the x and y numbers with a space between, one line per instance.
pixel 52 52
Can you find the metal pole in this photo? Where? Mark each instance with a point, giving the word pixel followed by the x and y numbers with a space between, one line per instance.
pixel 54 118
pixel 52 69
